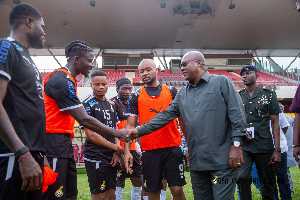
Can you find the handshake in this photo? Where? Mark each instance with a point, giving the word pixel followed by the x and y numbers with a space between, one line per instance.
pixel 127 135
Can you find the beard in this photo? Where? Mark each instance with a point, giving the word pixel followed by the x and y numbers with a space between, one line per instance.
pixel 152 79
pixel 35 40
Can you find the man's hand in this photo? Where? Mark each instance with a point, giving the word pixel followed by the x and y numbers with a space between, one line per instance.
pixel 235 157
pixel 123 135
pixel 115 160
pixel 133 134
pixel 31 174
pixel 296 153
pixel 275 159
pixel 128 162
pixel 248 135
pixel 119 151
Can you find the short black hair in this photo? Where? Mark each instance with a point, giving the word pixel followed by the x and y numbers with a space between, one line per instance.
pixel 77 48
pixel 122 81
pixel 98 73
pixel 22 11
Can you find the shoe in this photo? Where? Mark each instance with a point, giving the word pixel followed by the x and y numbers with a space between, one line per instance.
pixel 187 169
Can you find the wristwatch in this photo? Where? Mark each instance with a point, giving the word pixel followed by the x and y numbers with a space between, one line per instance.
pixel 236 143
pixel 278 149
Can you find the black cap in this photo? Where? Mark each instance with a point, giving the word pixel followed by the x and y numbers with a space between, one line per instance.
pixel 248 68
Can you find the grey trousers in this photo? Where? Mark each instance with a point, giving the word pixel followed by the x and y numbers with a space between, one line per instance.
pixel 217 185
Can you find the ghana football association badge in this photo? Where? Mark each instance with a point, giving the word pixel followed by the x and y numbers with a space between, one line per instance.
pixel 59 192
pixel 102 187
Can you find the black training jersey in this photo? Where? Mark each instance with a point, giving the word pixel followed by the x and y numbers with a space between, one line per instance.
pixel 152 91
pixel 61 88
pixel 123 107
pixel 23 101
pixel 105 112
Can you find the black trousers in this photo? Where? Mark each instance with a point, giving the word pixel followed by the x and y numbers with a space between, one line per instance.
pixel 264 171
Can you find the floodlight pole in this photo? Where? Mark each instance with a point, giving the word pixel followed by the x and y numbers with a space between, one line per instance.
pixel 54 57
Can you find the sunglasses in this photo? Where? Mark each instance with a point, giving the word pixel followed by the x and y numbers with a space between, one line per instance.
pixel 185 63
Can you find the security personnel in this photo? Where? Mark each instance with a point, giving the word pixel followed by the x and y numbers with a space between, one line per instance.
pixel 260 105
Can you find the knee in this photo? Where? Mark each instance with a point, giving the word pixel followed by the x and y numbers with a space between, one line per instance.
pixel 121 183
pixel 176 190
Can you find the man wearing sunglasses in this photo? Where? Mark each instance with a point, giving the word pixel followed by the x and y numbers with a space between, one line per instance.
pixel 213 120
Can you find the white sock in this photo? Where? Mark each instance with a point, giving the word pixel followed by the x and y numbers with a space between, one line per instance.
pixel 145 197
pixel 136 193
pixel 119 193
pixel 163 195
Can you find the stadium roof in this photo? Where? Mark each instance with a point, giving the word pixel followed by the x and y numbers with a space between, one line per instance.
pixel 271 27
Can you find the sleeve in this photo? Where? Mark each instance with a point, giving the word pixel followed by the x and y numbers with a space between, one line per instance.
pixel 283 123
pixel 295 107
pixel 63 91
pixel 7 62
pixel 235 109
pixel 88 109
pixel 133 110
pixel 161 119
pixel 274 106
pixel 116 113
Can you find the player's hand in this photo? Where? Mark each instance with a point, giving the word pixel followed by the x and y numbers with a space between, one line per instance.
pixel 235 157
pixel 128 162
pixel 133 134
pixel 123 135
pixel 115 160
pixel 140 157
pixel 31 174
pixel 296 154
pixel 275 159
pixel 187 155
pixel 119 151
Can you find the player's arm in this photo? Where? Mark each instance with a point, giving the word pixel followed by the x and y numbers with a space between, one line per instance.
pixel 276 156
pixel 30 171
pixel 100 141
pixel 93 124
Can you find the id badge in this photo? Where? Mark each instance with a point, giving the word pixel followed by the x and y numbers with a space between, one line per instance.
pixel 251 131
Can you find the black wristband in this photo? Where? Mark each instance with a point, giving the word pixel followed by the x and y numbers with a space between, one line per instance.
pixel 298 145
pixel 21 151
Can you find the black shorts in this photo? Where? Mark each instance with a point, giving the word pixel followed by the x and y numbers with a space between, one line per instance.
pixel 65 185
pixel 159 162
pixel 136 167
pixel 11 188
pixel 100 177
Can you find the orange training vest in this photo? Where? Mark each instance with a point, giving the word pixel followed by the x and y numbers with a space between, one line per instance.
pixel 120 126
pixel 58 121
pixel 148 107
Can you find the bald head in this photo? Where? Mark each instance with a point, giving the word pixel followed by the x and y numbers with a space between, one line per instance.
pixel 148 62
pixel 148 72
pixel 194 55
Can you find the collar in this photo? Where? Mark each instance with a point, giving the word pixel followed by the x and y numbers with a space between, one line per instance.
pixel 204 77
pixel 69 72
pixel 257 90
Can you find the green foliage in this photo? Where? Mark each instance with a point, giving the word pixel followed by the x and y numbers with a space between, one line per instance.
pixel 84 190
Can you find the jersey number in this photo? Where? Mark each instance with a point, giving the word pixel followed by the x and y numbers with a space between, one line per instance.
pixel 106 114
